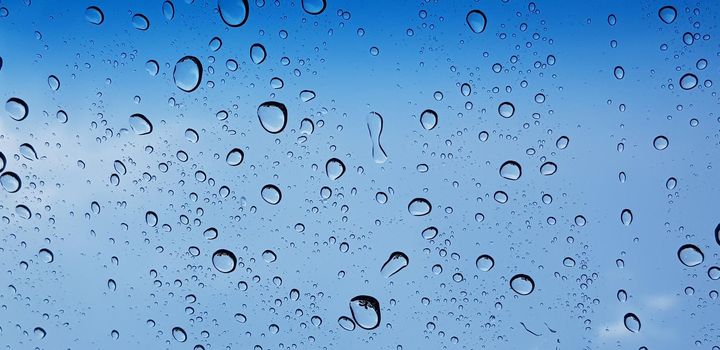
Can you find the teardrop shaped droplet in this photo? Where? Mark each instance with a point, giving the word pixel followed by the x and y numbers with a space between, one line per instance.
pixel 140 124
pixel 257 53
pixel 396 262
pixel 428 119
pixel 94 15
pixel 419 207
pixel 271 194
pixel 235 157
pixel 224 260
pixel 511 170
pixel 273 116
pixel 10 182
pixel 28 151
pixel 188 73
pixel 626 217
pixel 17 108
pixel 314 7
pixel 365 311
pixel 476 20
pixel 334 168
pixel 522 284
pixel 690 255
pixel 632 322
pixel 375 127
pixel 233 12
pixel 667 14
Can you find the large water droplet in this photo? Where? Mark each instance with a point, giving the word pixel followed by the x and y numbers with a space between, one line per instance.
pixel 17 108
pixel 334 168
pixel 23 211
pixel 365 311
pixel 10 182
pixel 269 256
pixel 619 72
pixel 235 157
pixel 307 95
pixel 690 255
pixel 140 124
pixel 511 170
pixel 257 53
pixel 271 194
pixel 626 217
pixel 375 127
pixel 168 10
pixel 717 234
pixel 506 109
pixel 224 260
pixel 430 232
pixel 522 284
pixel 688 81
pixel 314 7
pixel 667 14
pixel 233 12
pixel 179 334
pixel 396 262
pixel 346 323
pixel 53 83
pixel 632 322
pixel 476 20
pixel 46 255
pixel 188 73
pixel 419 207
pixel 39 332
pixel 485 263
pixel 273 116
pixel 94 15
pixel 660 143
pixel 140 22
pixel 562 142
pixel 428 119
pixel 548 168
pixel 28 151
pixel 151 218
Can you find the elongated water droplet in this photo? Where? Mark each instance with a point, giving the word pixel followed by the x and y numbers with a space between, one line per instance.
pixel 179 334
pixel 667 14
pixel 562 142
pixel 272 116
pixel 151 218
pixel 235 157
pixel 419 207
pixel 375 128
pixel 626 217
pixel 314 7
pixel 224 260
pixel 28 151
pixel 271 194
pixel 334 168
pixel 690 255
pixel 17 108
pixel 511 170
pixel 53 83
pixel 140 124
pixel 215 44
pixel 485 263
pixel 428 119
pixel 188 73
pixel 3 161
pixel 346 323
pixel 365 311
pixel 522 284
pixel 430 232
pixel 632 322
pixel 168 10
pixel 396 262
pixel 140 22
pixel 233 12
pixel 619 72
pixel 476 20
pixel 23 211
pixel 94 15
pixel 671 183
pixel 257 53
pixel 10 182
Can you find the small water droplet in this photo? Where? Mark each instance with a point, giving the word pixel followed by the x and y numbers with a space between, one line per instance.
pixel 506 109
pixel 151 218
pixel 307 95
pixel 46 255
pixel 660 143
pixel 168 10
pixel 626 217
pixel 562 142
pixel 233 12
pixel 23 211
pixel 346 323
pixel 548 168
pixel 140 22
pixel 10 182
pixel 269 256
pixel 28 151
pixel 179 334
pixel 430 232
pixel 688 81
pixel 619 72
pixel 53 83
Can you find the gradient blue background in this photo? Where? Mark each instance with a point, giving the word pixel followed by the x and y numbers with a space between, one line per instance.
pixel 102 71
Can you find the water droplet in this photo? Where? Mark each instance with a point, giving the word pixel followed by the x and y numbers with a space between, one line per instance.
pixel 522 284
pixel 46 255
pixel 53 83
pixel 94 15
pixel 626 217
pixel 23 211
pixel 140 124
pixel 396 262
pixel 548 168
pixel 660 143
pixel 210 233
pixel 17 108
pixel 179 334
pixel 151 218
pixel 465 89
pixel 346 323
pixel 233 12
pixel 430 232
pixel 314 7
pixel 419 207
pixel 485 263
pixel 667 14
pixel 215 44
pixel 714 273
pixel 39 332
pixel 235 157
pixel 500 197
pixel 334 168
pixel 307 95
pixel 622 295
pixel 506 109
pixel 140 22
pixel 690 255
pixel 10 182
pixel 671 183
pixel 428 119
pixel 688 81
pixel 192 135
pixel 717 231
pixel 511 170
pixel 375 128
pixel 168 10
pixel 269 256
pixel 365 311
pixel 476 20
pixel 257 53
pixel 152 67
pixel 224 260
pixel 632 322
pixel 568 262
pixel 188 73
pixel 273 116
pixel 28 151
pixel 271 194
pixel 619 72
pixel 562 142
